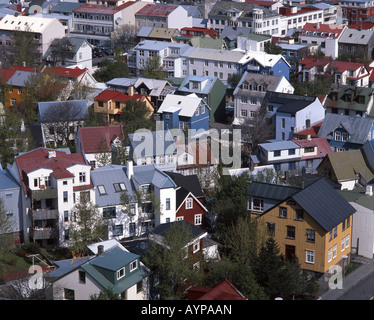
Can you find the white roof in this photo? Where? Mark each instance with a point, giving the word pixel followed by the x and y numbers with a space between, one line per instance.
pixel 174 102
pixel 23 23
pixel 263 58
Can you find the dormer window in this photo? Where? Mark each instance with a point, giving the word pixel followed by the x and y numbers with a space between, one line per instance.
pixel 133 265
pixel 344 136
pixel 120 273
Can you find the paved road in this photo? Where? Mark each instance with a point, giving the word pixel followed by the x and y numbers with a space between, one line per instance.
pixel 364 290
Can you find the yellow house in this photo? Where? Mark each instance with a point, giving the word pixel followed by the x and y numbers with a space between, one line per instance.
pixel 112 102
pixel 314 225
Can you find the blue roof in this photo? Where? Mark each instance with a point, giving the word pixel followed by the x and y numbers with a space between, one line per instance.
pixel 7 181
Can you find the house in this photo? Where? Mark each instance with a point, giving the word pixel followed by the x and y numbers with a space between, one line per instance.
pixel 356 42
pixel 190 199
pixel 349 100
pixel 206 42
pixel 311 132
pixel 224 290
pixel 264 196
pixel 314 225
pixel 114 269
pixel 346 132
pixel 211 90
pixel 311 69
pixel 110 103
pixel 184 112
pixel 98 144
pixel 350 73
pixel 157 34
pixel 10 194
pixel 95 22
pixel 356 11
pixel 348 168
pixel 60 120
pixel 251 90
pixel 16 84
pixel 80 53
pixel 253 42
pixel 44 30
pixel 52 181
pixel 156 147
pixel 326 36
pixel 172 57
pixel 163 16
pixel 294 53
pixel 363 220
pixel 198 32
pixel 230 34
pixel 291 113
pixel 203 6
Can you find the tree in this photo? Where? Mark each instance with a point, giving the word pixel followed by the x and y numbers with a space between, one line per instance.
pixel 272 48
pixel 14 138
pixel 61 50
pixel 124 37
pixel 105 295
pixel 233 80
pixel 87 225
pixel 170 262
pixel 7 227
pixel 112 69
pixel 136 115
pixel 104 153
pixel 153 69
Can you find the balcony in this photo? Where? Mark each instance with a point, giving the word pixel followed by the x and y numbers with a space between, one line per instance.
pixel 50 193
pixel 44 214
pixel 44 233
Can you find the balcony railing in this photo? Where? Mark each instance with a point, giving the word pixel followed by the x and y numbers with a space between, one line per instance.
pixel 44 214
pixel 44 194
pixel 44 233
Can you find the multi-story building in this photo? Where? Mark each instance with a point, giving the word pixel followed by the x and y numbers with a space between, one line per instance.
pixel 52 182
pixel 356 11
pixel 357 43
pixel 313 225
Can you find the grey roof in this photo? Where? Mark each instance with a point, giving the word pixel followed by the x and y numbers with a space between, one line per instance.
pixel 269 81
pixel 232 33
pixel 66 7
pixel 356 36
pixel 290 103
pixel 368 154
pixel 217 54
pixel 43 108
pixel 326 206
pixel 144 31
pixel 121 82
pixel 107 176
pixel 208 84
pixel 270 191
pixel 151 144
pixel 19 78
pixel 357 127
pixel 7 181
pixel 150 174
pixel 279 145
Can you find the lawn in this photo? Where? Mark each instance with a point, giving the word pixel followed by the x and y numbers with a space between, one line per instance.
pixel 12 263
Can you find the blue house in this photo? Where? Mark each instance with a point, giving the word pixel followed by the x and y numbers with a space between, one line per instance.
pixel 292 113
pixel 346 132
pixel 265 63
pixel 184 112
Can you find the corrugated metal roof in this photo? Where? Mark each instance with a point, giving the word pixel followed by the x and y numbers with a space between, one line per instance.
pixel 326 206
pixel 279 145
pixel 79 105
pixel 270 191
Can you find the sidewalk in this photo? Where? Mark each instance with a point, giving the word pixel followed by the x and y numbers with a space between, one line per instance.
pixel 350 280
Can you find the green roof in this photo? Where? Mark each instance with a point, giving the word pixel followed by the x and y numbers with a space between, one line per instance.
pixel 358 196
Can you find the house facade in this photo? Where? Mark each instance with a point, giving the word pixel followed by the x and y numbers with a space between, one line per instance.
pixel 300 226
pixel 52 182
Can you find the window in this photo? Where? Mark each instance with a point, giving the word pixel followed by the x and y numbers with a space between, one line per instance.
pixel 133 265
pixel 329 257
pixel 167 204
pixel 335 232
pixel 36 181
pixel 309 256
pixel 139 286
pixel 337 136
pixel 282 212
pixel 283 123
pixel 299 214
pixel 120 273
pixel 196 246
pixel 189 203
pixel 66 216
pixel 68 294
pixel 343 244
pixel 82 277
pixel 65 196
pixel 109 212
pixel 290 232
pixel 277 153
pixel 271 228
pixel 243 113
pixel 118 187
pixel 257 204
pixel 198 219
pixel 310 235
pixel 330 235
pixel 101 190
pixel 180 218
pixel 334 252
pixel 347 241
pixel 291 152
pixel 82 177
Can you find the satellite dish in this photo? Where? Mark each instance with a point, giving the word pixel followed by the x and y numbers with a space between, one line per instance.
pixel 118 20
pixel 35 9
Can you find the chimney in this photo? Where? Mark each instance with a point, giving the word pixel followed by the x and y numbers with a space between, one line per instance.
pixel 100 250
pixel 51 154
pixel 130 169
pixel 369 191
pixel 130 91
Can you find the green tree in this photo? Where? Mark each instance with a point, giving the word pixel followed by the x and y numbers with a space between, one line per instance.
pixel 109 70
pixel 170 262
pixel 272 48
pixel 7 227
pixel 233 80
pixel 153 69
pixel 87 225
pixel 105 295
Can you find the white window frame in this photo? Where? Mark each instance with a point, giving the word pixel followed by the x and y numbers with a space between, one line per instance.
pixel 133 265
pixel 347 241
pixel 196 246
pixel 343 244
pixel 189 203
pixel 119 271
pixel 198 218
pixel 334 251
pixel 309 256
pixel 329 257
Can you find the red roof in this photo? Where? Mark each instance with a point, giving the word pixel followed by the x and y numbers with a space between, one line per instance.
pixel 323 147
pixel 341 66
pixel 92 136
pixel 22 68
pixel 65 72
pixel 311 62
pixel 262 2
pixel 312 131
pixel 118 96
pixel 6 74
pixel 323 28
pixel 362 25
pixel 38 158
pixel 225 290
pixel 156 10
pixel 211 32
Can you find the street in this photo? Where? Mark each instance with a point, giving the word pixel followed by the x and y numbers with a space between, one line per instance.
pixel 364 290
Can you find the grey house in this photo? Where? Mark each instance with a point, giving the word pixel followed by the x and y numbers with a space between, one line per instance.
pixel 357 43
